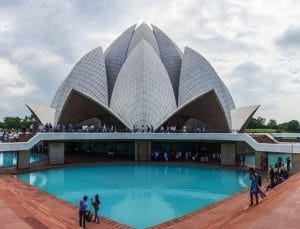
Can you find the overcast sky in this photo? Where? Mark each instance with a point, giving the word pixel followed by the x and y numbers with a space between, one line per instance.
pixel 253 45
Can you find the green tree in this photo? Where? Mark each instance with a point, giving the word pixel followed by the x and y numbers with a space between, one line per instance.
pixel 12 123
pixel 257 123
pixel 18 123
pixel 272 124
pixel 293 125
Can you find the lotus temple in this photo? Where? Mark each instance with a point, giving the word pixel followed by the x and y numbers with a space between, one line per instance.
pixel 142 79
pixel 144 123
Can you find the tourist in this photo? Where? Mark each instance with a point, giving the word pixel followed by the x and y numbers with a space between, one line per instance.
pixel 271 177
pixel 166 157
pixel 96 205
pixel 253 186
pixel 83 207
pixel 259 191
pixel 186 157
pixel 262 160
pixel 288 164
pixel 162 129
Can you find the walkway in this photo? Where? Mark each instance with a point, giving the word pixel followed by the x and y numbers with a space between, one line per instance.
pixel 23 206
pixel 280 209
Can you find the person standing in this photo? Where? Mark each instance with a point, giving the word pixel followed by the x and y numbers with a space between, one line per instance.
pixel 96 205
pixel 83 207
pixel 288 164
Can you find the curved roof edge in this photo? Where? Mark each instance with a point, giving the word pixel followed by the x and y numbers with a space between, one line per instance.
pixel 104 106
pixel 240 117
pixel 89 76
pixel 197 76
pixel 187 103
pixel 43 114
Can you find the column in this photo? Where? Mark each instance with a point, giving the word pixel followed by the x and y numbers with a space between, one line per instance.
pixel 142 150
pixel 295 157
pixel 23 159
pixel 56 153
pixel 228 151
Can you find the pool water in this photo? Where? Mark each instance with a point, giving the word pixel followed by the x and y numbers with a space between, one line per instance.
pixel 141 195
pixel 9 159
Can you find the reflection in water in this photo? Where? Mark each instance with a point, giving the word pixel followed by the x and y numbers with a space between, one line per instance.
pixel 9 159
pixel 141 195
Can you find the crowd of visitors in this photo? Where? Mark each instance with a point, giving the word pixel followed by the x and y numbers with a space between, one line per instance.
pixel 278 174
pixel 101 127
pixel 9 136
pixel 187 156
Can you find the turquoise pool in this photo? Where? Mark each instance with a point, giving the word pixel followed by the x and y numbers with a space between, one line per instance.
pixel 141 195
pixel 9 159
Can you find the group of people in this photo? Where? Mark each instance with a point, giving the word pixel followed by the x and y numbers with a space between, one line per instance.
pixel 85 214
pixel 187 156
pixel 275 177
pixel 9 136
pixel 255 184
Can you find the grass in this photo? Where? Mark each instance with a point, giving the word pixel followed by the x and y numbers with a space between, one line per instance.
pixel 262 131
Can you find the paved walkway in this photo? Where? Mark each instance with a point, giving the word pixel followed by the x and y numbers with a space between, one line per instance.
pixel 279 210
pixel 23 206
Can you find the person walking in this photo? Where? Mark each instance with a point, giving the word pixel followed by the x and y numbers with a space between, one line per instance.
pixel 259 183
pixel 96 205
pixel 253 186
pixel 83 207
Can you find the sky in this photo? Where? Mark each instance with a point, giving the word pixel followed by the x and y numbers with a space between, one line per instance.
pixel 254 46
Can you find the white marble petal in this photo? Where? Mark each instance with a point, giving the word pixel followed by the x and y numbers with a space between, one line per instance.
pixel 143 93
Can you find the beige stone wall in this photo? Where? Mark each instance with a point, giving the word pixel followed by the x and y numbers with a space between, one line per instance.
pixel 295 162
pixel 23 160
pixel 56 153
pixel 228 152
pixel 142 151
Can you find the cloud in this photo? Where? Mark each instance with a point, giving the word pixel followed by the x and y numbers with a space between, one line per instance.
pixel 13 87
pixel 277 93
pixel 11 80
pixel 290 39
pixel 40 42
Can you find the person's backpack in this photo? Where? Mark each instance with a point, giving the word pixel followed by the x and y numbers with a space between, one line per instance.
pixel 259 180
pixel 88 216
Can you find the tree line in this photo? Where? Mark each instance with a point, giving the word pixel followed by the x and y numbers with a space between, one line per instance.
pixel 261 123
pixel 20 124
pixel 17 123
